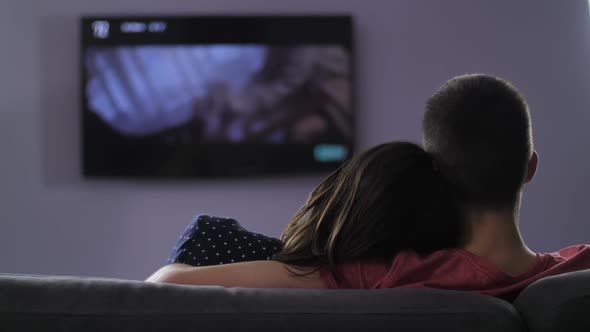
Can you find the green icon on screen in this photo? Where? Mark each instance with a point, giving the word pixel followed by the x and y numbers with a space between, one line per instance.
pixel 330 152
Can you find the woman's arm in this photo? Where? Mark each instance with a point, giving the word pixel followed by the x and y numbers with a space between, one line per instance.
pixel 256 274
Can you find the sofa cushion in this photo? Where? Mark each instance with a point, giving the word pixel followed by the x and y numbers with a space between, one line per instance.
pixel 90 304
pixel 557 303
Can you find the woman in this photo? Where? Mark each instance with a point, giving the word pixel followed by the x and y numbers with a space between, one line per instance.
pixel 388 199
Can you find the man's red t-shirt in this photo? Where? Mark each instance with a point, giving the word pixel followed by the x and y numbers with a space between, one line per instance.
pixel 455 269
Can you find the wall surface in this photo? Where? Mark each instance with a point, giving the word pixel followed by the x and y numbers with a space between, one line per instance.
pixel 54 222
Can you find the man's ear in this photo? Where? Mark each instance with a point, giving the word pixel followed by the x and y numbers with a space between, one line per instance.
pixel 532 167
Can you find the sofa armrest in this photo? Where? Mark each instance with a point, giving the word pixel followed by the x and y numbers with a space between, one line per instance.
pixel 557 303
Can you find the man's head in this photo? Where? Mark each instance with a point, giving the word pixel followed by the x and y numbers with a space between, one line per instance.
pixel 478 128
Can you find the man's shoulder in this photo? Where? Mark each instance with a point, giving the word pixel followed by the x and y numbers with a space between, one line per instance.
pixel 573 250
pixel 568 259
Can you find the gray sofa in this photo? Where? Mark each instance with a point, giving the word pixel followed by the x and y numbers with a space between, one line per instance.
pixel 42 303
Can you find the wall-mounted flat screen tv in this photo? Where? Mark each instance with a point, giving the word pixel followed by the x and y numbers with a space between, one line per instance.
pixel 211 96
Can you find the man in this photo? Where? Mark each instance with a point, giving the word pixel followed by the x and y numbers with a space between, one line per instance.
pixel 478 130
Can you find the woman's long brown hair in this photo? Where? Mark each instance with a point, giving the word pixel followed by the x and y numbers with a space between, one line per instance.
pixel 384 200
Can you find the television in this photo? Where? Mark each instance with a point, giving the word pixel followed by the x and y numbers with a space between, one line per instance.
pixel 216 96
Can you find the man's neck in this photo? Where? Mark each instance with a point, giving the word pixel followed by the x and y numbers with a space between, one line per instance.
pixel 494 236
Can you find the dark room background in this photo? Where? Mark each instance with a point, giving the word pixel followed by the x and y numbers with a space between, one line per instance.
pixel 54 222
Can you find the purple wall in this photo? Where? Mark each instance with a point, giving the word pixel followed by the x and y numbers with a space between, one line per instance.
pixel 52 222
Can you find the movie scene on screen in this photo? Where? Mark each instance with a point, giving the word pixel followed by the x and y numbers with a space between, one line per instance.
pixel 221 93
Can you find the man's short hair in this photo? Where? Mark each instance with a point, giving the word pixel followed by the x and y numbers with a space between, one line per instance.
pixel 478 128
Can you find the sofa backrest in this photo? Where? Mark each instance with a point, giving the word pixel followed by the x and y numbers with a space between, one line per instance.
pixel 90 304
pixel 557 303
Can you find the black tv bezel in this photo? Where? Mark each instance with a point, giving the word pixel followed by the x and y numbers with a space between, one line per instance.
pixel 314 29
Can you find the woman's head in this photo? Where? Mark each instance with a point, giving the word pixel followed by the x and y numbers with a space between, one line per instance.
pixel 387 199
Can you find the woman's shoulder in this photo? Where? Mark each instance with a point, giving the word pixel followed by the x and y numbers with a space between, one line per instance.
pixel 204 221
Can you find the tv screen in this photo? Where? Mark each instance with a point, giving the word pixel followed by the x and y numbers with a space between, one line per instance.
pixel 167 97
